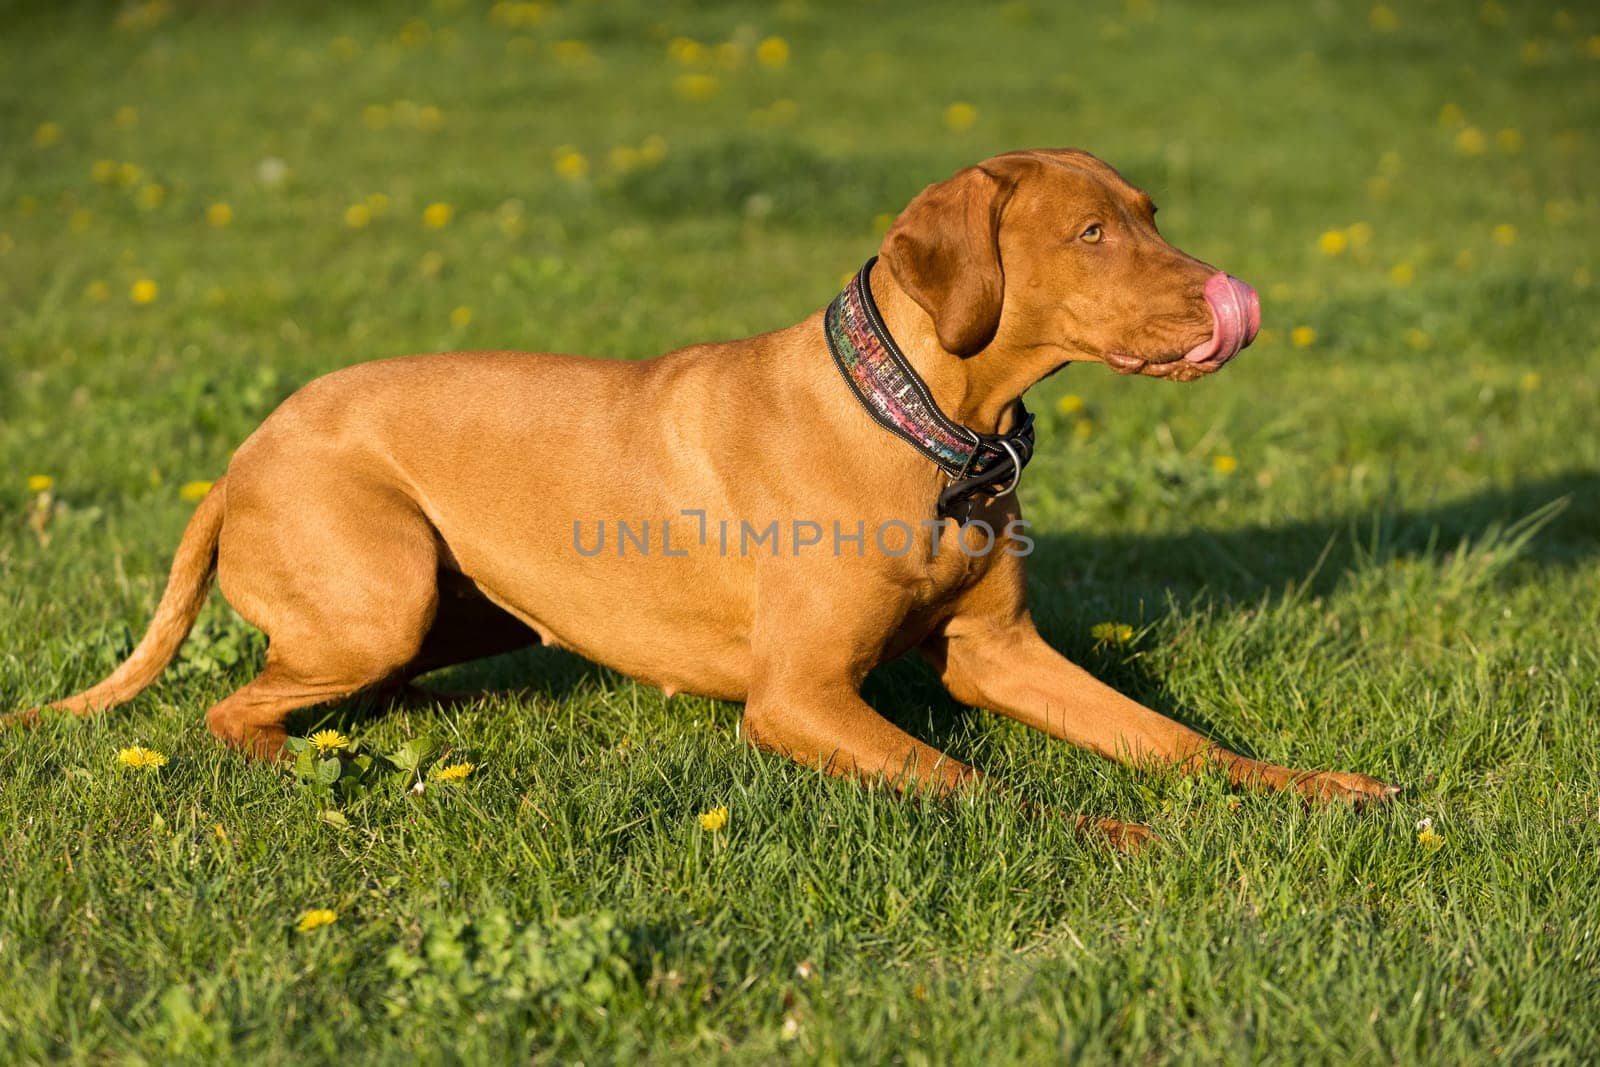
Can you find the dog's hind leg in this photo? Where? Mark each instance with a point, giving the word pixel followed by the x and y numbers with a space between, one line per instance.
pixel 316 659
pixel 252 718
pixel 319 657
pixel 341 574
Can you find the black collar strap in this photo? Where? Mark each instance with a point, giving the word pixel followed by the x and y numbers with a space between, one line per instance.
pixel 883 380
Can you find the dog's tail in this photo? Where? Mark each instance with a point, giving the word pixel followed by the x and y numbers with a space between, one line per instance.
pixel 187 587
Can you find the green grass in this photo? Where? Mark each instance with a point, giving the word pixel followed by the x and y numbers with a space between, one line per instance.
pixel 1400 577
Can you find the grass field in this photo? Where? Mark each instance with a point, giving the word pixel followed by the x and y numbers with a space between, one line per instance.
pixel 1370 544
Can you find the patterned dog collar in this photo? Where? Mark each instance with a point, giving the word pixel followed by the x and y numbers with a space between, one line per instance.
pixel 883 380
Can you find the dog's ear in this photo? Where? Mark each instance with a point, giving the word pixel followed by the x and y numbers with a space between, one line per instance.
pixel 944 250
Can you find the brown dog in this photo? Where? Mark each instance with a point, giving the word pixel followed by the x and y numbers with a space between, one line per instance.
pixel 398 516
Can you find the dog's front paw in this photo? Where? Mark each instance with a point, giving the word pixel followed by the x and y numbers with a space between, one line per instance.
pixel 1328 787
pixel 18 719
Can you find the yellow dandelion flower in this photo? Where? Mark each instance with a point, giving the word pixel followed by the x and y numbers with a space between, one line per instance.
pixel 1111 633
pixel 1508 141
pixel 506 13
pixel 126 117
pixel 653 149
pixel 1083 429
pixel 98 291
pixel 40 483
pixel 1383 19
pixel 1417 339
pixel 960 116
pixel 1070 404
pixel 329 741
pixel 1451 115
pixel 143 758
pixel 456 772
pixel 151 196
pixel 193 491
pixel 1560 210
pixel 623 158
pixel 1224 464
pixel 730 55
pixel 1470 141
pixel 696 87
pixel 571 164
pixel 436 216
pixel 714 820
pixel 429 118
pixel 1402 274
pixel 128 173
pixel 461 317
pixel 47 134
pixel 509 215
pixel 219 215
pixel 1302 337
pixel 686 51
pixel 1332 242
pixel 1359 234
pixel 1427 837
pixel 773 53
pixel 378 203
pixel 414 33
pixel 357 216
pixel 1505 235
pixel 315 919
pixel 1532 51
pixel 144 291
pixel 1530 381
pixel 104 171
pixel 573 52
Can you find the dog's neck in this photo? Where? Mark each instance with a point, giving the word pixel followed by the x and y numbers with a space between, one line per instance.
pixel 888 386
pixel 965 388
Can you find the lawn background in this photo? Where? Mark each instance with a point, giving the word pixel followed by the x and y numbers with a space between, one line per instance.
pixel 1371 544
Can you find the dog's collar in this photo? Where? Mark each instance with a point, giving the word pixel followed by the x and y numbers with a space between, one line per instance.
pixel 897 398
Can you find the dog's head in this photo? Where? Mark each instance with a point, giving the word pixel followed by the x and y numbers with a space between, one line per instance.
pixel 1052 254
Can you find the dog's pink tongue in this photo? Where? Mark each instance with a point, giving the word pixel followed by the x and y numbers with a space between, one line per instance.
pixel 1235 317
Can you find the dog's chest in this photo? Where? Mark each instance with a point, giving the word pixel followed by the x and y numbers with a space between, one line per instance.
pixel 956 560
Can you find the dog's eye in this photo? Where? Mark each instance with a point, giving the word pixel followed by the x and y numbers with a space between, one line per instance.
pixel 1092 234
